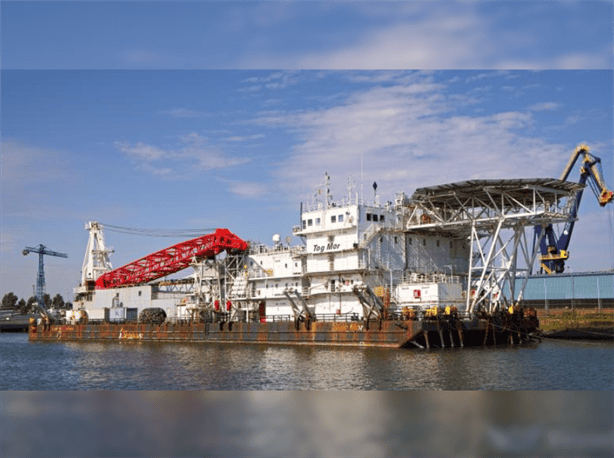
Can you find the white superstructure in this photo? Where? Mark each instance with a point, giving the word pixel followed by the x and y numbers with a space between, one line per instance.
pixel 366 260
pixel 356 259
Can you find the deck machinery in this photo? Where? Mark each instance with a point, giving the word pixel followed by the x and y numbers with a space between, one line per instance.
pixel 494 216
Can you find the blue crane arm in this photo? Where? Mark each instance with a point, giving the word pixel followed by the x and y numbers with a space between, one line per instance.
pixel 42 249
pixel 563 243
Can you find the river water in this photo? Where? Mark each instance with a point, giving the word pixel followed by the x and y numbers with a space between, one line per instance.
pixel 193 400
pixel 551 365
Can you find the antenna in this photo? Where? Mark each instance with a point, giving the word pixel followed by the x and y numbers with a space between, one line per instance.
pixel 361 177
pixel 329 196
pixel 350 188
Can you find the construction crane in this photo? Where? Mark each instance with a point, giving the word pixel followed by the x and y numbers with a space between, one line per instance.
pixel 40 280
pixel 171 260
pixel 553 250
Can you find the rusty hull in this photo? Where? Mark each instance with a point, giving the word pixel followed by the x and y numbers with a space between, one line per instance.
pixel 387 333
pixel 384 334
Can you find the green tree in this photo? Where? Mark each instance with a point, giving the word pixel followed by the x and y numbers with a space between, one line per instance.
pixel 47 300
pixel 22 306
pixel 68 305
pixel 31 301
pixel 58 302
pixel 9 301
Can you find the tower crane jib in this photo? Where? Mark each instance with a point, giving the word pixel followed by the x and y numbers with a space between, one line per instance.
pixel 40 280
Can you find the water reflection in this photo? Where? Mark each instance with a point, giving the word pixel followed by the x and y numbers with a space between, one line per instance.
pixel 330 424
pixel 148 366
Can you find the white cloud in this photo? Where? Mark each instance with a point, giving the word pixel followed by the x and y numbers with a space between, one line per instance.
pixel 239 138
pixel 581 61
pixel 141 151
pixel 376 77
pixel 409 136
pixel 246 189
pixel 481 76
pixel 569 121
pixel 429 44
pixel 252 88
pixel 596 60
pixel 459 36
pixel 545 106
pixel 180 163
pixel 272 77
pixel 573 120
pixel 275 80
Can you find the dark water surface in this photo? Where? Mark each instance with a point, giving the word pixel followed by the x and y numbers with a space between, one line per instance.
pixel 551 365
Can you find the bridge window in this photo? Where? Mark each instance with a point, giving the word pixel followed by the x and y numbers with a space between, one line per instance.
pixel 309 222
pixel 333 219
pixel 340 218
pixel 368 216
pixel 381 217
pixel 304 224
pixel 317 221
pixel 374 217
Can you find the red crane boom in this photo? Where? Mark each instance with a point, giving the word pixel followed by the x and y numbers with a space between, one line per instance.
pixel 170 260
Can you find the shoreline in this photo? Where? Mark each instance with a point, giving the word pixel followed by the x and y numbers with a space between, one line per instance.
pixel 577 324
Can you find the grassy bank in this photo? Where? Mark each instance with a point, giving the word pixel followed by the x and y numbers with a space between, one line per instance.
pixel 579 323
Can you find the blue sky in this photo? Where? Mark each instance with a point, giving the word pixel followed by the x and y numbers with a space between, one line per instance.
pixel 87 135
pixel 301 35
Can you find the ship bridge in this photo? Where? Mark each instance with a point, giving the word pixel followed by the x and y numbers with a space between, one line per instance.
pixel 493 216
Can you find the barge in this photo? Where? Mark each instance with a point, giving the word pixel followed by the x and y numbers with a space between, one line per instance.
pixel 437 269
pixel 11 321
pixel 445 332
